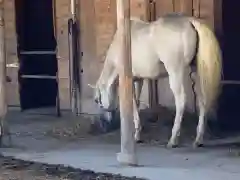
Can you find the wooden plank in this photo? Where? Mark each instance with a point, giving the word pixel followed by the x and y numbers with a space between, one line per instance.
pixel 164 6
pixel 184 6
pixel 127 155
pixel 139 8
pixel 207 12
pixel 196 8
pixel 3 95
pixel 105 24
pixel 61 14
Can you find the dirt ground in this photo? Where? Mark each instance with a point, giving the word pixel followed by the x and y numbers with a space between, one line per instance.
pixel 154 132
pixel 12 169
pixel 44 124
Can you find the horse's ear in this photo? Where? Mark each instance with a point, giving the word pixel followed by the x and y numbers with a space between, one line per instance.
pixel 91 86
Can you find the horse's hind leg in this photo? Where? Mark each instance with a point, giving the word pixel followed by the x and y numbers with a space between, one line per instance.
pixel 138 84
pixel 201 123
pixel 137 122
pixel 136 103
pixel 177 85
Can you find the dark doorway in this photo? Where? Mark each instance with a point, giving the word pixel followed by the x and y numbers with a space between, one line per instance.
pixel 229 105
pixel 36 51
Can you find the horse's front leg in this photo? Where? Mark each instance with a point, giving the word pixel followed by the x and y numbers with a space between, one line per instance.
pixel 136 120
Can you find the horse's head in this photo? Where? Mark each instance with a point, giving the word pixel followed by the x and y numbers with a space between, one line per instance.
pixel 106 100
pixel 105 97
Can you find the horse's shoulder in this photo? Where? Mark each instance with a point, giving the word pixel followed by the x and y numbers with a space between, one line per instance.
pixel 138 24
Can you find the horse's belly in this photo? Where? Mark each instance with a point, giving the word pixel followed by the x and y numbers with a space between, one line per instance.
pixel 149 72
pixel 147 67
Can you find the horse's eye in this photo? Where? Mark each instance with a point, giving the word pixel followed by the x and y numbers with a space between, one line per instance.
pixel 96 101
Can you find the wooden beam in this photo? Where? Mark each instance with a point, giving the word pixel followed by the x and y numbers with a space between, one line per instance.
pixel 184 6
pixel 218 17
pixel 3 100
pixel 127 156
pixel 164 7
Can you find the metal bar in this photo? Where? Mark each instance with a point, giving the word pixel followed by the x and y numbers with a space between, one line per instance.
pixel 38 77
pixel 230 82
pixel 38 52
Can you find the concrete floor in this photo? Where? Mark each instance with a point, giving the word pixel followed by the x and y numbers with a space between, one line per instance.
pixel 216 162
pixel 156 163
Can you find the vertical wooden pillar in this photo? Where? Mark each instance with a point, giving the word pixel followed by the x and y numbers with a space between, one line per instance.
pixel 3 101
pixel 74 60
pixel 58 108
pixel 127 156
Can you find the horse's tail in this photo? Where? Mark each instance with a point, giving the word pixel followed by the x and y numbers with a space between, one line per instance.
pixel 209 63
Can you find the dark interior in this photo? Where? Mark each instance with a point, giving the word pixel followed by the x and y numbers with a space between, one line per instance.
pixel 229 104
pixel 35 32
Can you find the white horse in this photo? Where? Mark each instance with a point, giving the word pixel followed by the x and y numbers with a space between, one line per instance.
pixel 168 45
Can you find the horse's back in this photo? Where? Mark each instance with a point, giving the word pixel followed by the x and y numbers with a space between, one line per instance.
pixel 174 37
pixel 175 21
pixel 157 42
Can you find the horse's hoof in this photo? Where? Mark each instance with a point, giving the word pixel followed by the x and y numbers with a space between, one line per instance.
pixel 197 145
pixel 171 145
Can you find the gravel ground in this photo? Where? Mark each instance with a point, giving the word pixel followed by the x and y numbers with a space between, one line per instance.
pixel 13 169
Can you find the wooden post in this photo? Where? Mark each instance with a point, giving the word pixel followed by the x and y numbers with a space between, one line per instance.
pixel 127 156
pixel 74 60
pixel 3 101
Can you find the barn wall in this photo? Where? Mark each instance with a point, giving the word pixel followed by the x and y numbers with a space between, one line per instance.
pixel 100 23
pixel 207 10
pixel 97 24
pixel 91 66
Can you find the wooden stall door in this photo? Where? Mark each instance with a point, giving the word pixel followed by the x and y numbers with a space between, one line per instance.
pixel 36 52
pixel 228 114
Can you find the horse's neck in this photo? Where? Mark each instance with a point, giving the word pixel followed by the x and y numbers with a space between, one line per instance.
pixel 107 76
